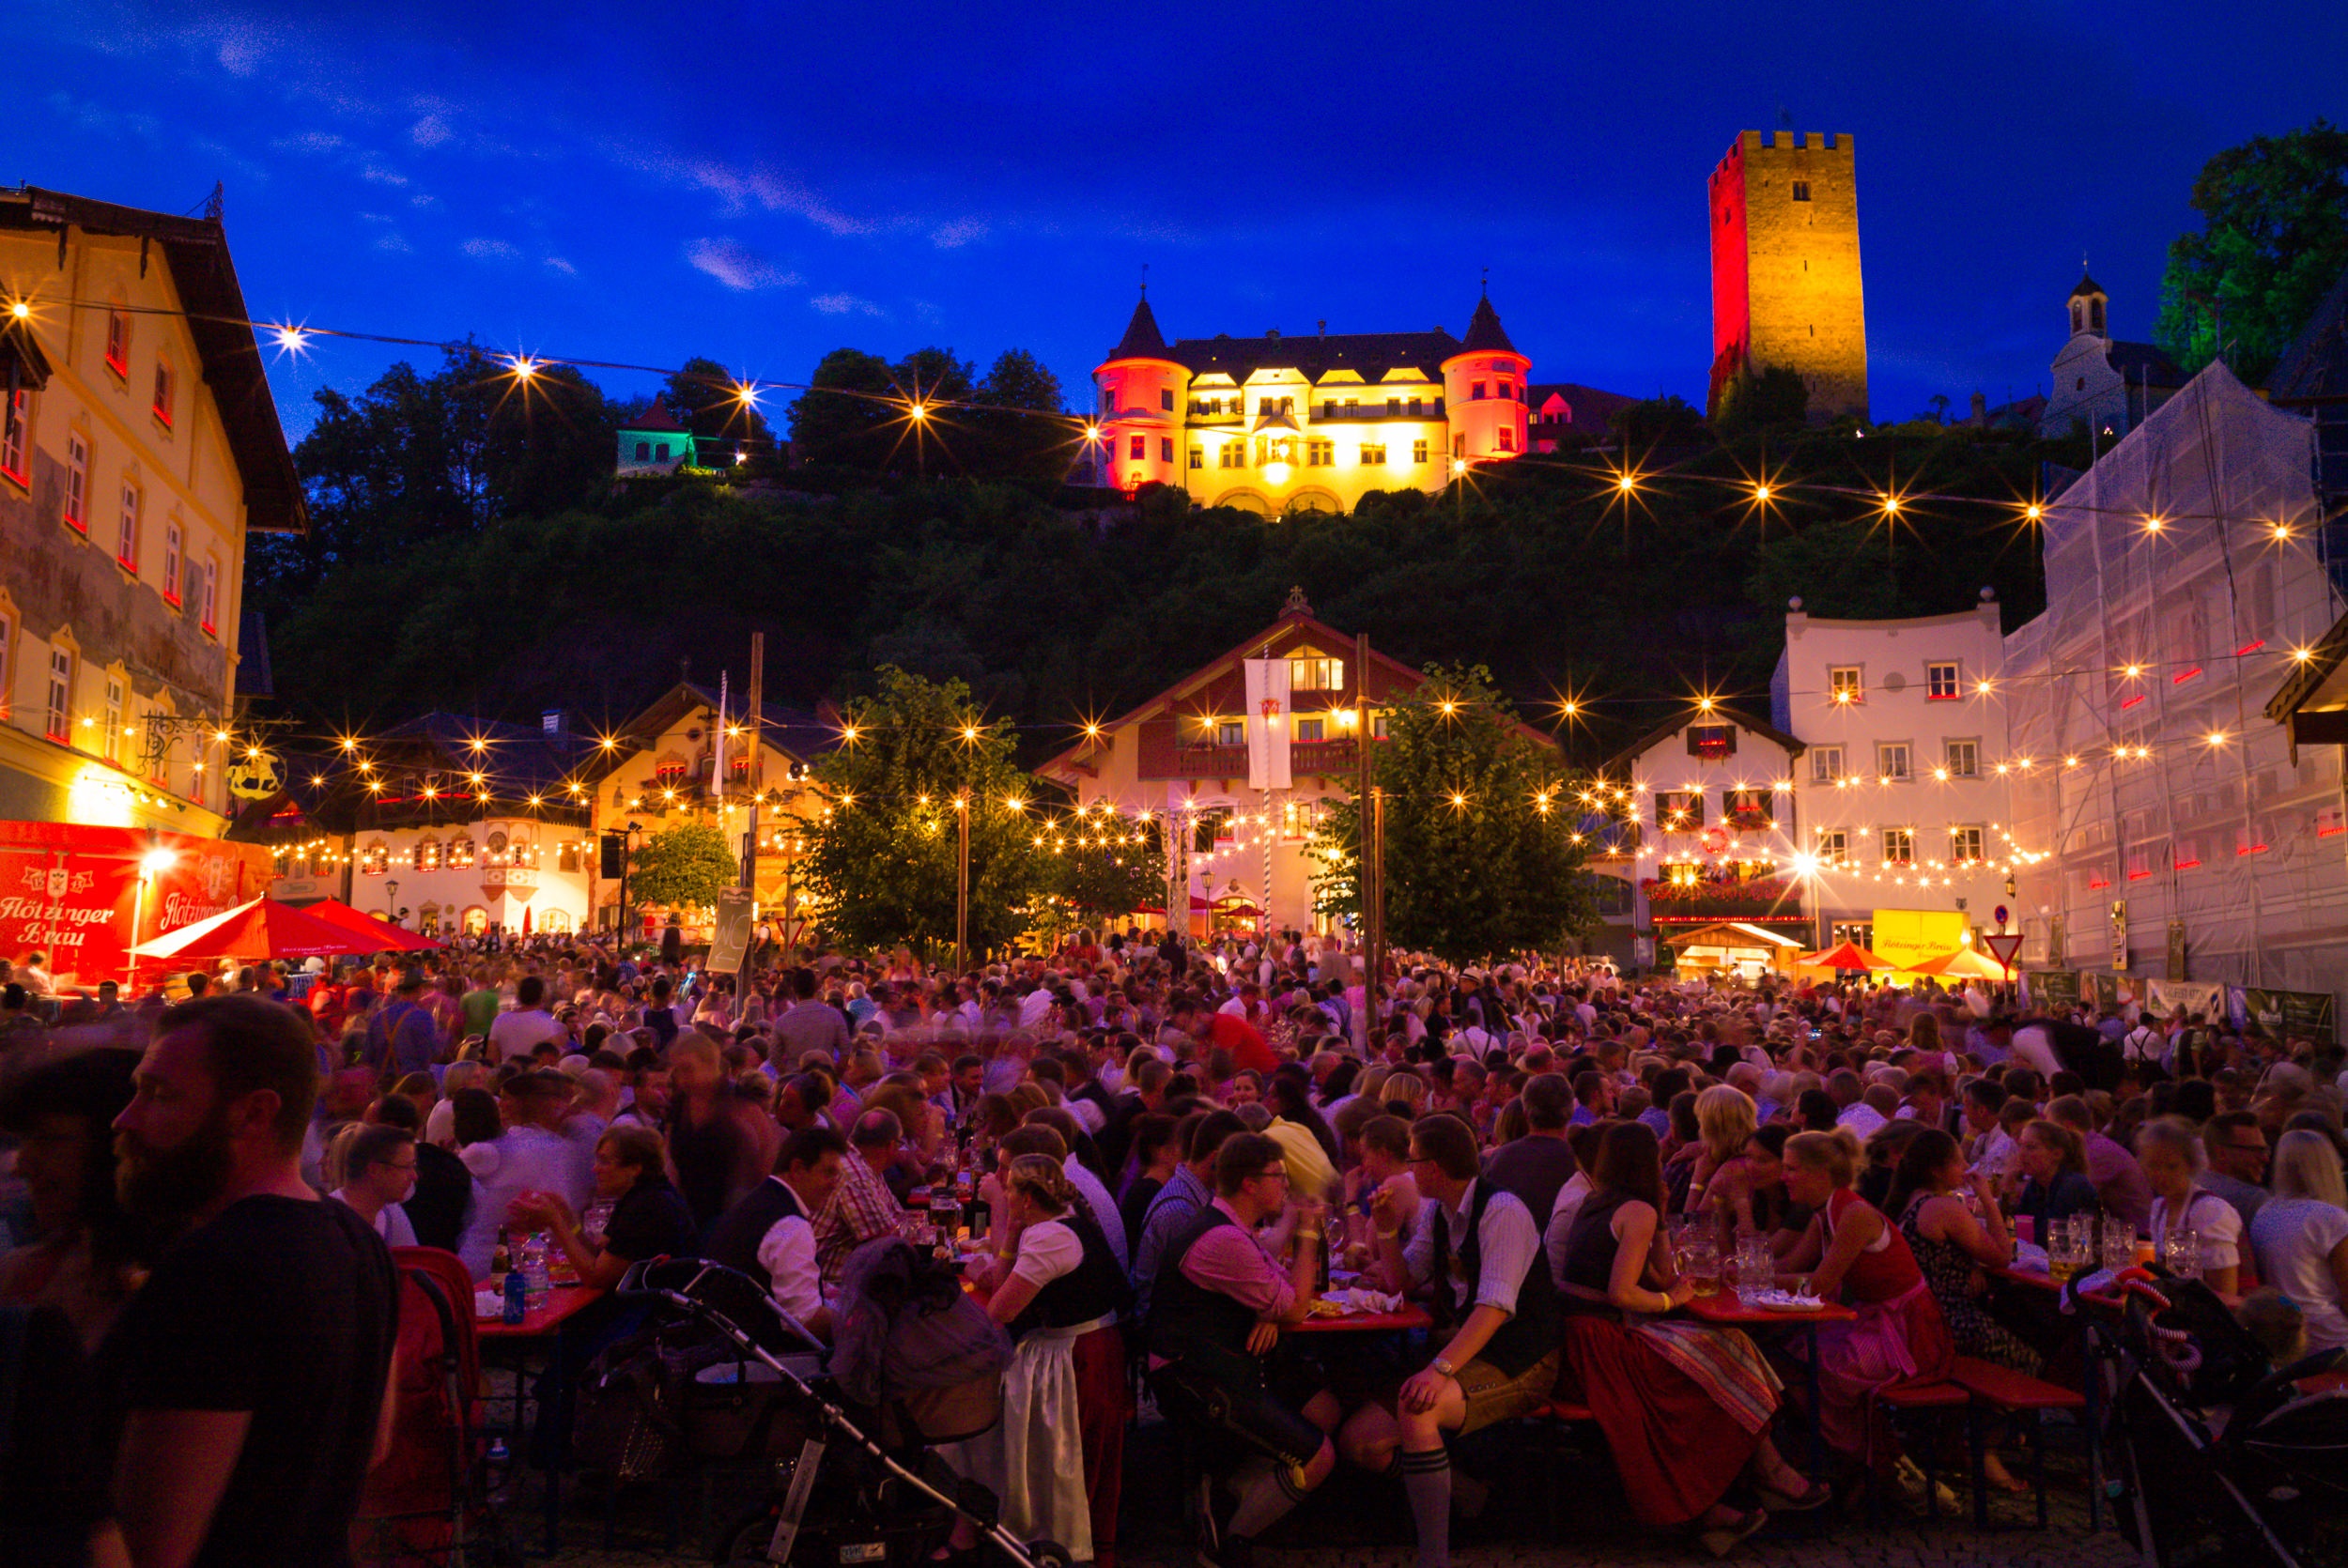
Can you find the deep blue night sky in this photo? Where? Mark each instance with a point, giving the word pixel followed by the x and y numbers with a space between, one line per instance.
pixel 763 184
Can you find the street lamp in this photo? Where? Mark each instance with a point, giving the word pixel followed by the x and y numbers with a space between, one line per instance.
pixel 154 863
pixel 391 899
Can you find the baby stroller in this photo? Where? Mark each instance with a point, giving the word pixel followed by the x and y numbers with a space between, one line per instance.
pixel 427 1504
pixel 2215 1457
pixel 883 1501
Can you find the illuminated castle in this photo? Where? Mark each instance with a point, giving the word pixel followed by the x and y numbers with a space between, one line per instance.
pixel 1276 425
pixel 1785 280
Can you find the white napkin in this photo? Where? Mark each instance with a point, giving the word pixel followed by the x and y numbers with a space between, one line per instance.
pixel 487 1303
pixel 2031 1258
pixel 1361 1300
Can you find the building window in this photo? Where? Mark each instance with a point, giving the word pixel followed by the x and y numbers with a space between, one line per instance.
pixel 1319 454
pixel 1166 398
pixel 1899 846
pixel 1108 399
pixel 660 453
pixel 643 451
pixel 1751 810
pixel 1801 189
pixel 1833 847
pixel 1377 727
pixel 1373 454
pixel 76 485
pixel 1197 457
pixel 127 528
pixel 1419 452
pixel 1233 455
pixel 1166 448
pixel 1965 846
pixel 1230 733
pixel 8 649
pixel 1394 407
pixel 1508 439
pixel 1475 392
pixel 1964 758
pixel 1679 811
pixel 425 857
pixel 163 392
pixel 1712 742
pixel 211 592
pixel 1508 393
pixel 460 855
pixel 1459 446
pixel 1940 682
pixel 112 749
pixel 1316 674
pixel 566 857
pixel 1891 761
pixel 1826 763
pixel 59 719
pixel 1417 408
pixel 1846 684
pixel 119 342
pixel 1139 448
pixel 1309 729
pixel 13 417
pixel 171 562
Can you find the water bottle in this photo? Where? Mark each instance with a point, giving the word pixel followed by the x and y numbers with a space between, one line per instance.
pixel 537 1280
pixel 516 1299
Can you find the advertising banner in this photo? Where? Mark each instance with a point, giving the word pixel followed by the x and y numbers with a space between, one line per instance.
pixel 73 892
pixel 2052 990
pixel 2300 1015
pixel 2170 997
pixel 1905 937
pixel 730 941
pixel 1269 725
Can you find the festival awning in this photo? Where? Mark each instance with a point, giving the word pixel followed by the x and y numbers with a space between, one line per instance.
pixel 1964 963
pixel 1731 933
pixel 263 929
pixel 376 935
pixel 1847 956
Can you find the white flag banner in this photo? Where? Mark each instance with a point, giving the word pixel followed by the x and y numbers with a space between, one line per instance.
pixel 1269 724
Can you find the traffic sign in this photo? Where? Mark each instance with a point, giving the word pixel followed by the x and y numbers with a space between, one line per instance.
pixel 2005 946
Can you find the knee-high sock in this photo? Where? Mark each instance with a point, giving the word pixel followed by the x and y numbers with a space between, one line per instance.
pixel 1427 1482
pixel 1267 1502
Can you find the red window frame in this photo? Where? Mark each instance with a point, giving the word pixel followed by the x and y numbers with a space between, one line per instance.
pixel 16 433
pixel 119 342
pixel 163 379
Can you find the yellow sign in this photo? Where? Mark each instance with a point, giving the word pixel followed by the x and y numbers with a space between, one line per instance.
pixel 1905 937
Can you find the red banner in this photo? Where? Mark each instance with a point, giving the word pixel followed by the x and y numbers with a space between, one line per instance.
pixel 73 892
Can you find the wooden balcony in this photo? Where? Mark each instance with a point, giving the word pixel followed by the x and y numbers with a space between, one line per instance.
pixel 1338 757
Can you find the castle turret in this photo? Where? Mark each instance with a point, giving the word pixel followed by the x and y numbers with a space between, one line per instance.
pixel 1140 393
pixel 1484 391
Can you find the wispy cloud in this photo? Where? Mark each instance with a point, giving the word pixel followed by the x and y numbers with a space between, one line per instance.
pixel 737 265
pixel 382 175
pixel 844 305
pixel 309 141
pixel 430 132
pixel 961 232
pixel 391 239
pixel 559 265
pixel 491 250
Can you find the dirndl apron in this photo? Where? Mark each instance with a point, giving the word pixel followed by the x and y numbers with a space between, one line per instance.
pixel 1034 1457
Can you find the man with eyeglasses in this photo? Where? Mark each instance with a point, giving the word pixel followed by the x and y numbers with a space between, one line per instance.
pixel 1477 1249
pixel 379 1173
pixel 2236 1149
pixel 1215 1316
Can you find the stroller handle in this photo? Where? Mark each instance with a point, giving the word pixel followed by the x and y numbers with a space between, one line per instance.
pixel 689 1285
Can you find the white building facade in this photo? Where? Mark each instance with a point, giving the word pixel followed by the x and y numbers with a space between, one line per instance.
pixel 1907 774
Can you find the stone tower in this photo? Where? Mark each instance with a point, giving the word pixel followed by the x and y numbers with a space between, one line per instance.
pixel 1785 278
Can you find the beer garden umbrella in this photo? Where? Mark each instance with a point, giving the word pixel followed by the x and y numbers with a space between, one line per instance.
pixel 263 929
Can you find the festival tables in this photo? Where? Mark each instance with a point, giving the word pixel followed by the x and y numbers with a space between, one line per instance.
pixel 1410 1316
pixel 543 1335
pixel 1728 1310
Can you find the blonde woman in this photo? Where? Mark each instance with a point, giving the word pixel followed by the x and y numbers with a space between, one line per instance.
pixel 1852 1253
pixel 1054 1458
pixel 2170 1150
pixel 1725 1122
pixel 2301 1235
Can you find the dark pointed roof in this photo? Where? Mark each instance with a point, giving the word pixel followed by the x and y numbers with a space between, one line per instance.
pixel 656 419
pixel 1484 334
pixel 1142 339
pixel 2087 286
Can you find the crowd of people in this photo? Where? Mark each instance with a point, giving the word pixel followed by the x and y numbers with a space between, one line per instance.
pixel 1172 1148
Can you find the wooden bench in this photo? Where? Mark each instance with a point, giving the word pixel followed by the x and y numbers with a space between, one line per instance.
pixel 1902 1398
pixel 1549 1423
pixel 2014 1394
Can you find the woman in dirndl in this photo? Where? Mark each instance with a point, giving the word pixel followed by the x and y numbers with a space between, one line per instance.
pixel 1055 1459
pixel 1686 1407
pixel 1850 1251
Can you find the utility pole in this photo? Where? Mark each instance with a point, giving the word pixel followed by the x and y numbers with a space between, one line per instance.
pixel 749 838
pixel 1370 833
pixel 962 890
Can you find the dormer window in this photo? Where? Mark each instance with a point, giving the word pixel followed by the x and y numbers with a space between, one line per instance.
pixel 668 772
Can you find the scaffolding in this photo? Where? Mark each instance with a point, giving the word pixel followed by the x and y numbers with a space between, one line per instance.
pixel 2156 804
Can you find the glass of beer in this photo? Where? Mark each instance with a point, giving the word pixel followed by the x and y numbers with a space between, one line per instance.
pixel 1701 1259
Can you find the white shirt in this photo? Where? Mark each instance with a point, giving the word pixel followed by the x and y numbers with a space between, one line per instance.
pixel 1861 1118
pixel 391 1222
pixel 2294 1238
pixel 1508 1240
pixel 2034 1048
pixel 519 1034
pixel 2213 1219
pixel 527 1158
pixel 1103 1208
pixel 787 1253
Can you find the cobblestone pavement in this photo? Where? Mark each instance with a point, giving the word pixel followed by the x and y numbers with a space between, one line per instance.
pixel 1357 1522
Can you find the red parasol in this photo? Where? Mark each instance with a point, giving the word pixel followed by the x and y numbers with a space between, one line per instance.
pixel 263 929
pixel 1848 956
pixel 375 935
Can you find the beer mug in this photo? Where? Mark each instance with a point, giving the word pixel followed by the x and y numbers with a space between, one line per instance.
pixel 1700 1259
pixel 2119 1247
pixel 2185 1253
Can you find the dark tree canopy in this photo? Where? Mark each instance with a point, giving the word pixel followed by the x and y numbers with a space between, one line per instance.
pixel 2274 239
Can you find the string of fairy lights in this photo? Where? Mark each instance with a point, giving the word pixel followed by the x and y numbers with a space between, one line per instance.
pixel 923 416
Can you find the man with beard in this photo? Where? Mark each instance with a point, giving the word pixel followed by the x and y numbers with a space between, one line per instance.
pixel 251 1374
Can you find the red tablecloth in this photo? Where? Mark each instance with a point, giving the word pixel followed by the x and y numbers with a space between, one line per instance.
pixel 1728 1307
pixel 561 1304
pixel 1367 1322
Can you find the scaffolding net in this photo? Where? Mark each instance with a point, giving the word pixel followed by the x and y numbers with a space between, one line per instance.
pixel 2155 806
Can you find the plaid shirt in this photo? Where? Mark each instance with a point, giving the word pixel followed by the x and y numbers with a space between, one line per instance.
pixel 861 1208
